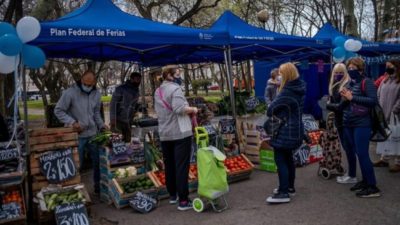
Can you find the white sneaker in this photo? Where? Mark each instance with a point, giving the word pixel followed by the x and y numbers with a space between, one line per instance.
pixel 346 179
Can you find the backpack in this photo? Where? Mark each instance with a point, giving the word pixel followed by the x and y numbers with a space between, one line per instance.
pixel 379 127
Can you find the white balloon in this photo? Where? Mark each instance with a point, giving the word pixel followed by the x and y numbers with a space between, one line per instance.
pixel 7 63
pixel 357 45
pixel 348 45
pixel 28 28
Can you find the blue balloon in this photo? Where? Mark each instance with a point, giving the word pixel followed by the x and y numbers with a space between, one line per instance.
pixel 6 28
pixel 10 45
pixel 339 41
pixel 33 57
pixel 339 52
pixel 350 55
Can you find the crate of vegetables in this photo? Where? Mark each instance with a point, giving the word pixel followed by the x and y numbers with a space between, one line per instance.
pixel 238 168
pixel 12 208
pixel 123 189
pixel 315 136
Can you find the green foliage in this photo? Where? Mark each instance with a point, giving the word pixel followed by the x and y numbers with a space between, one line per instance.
pixel 240 102
pixel 201 83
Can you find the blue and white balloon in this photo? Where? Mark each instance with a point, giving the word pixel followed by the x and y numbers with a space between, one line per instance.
pixel 8 63
pixel 10 44
pixel 33 57
pixel 28 28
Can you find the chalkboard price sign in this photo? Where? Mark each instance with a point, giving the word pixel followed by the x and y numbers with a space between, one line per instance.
pixel 142 202
pixel 251 103
pixel 10 211
pixel 8 154
pixel 228 126
pixel 138 156
pixel 71 214
pixel 119 148
pixel 58 166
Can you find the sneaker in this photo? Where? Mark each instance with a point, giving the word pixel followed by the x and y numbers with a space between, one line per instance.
pixel 185 205
pixel 291 191
pixel 359 186
pixel 346 180
pixel 278 198
pixel 369 192
pixel 173 200
pixel 380 163
pixel 394 168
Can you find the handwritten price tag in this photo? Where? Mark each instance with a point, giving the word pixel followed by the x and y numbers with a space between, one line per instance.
pixel 58 166
pixel 71 214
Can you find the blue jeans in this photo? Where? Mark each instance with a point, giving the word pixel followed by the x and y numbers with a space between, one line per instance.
pixel 286 169
pixel 357 140
pixel 94 155
pixel 350 155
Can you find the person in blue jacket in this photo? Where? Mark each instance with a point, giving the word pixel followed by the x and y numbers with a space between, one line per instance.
pixel 287 106
pixel 360 97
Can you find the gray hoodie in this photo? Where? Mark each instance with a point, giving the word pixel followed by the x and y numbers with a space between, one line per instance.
pixel 173 122
pixel 270 91
pixel 78 106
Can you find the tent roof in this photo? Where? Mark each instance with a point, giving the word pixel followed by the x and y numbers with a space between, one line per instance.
pixel 99 30
pixel 248 41
pixel 328 32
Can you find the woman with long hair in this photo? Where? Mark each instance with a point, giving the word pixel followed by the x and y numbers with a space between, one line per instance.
pixel 339 79
pixel 389 99
pixel 359 98
pixel 288 107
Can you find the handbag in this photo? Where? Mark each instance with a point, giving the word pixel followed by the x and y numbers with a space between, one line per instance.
pixel 380 129
pixel 272 125
pixel 359 110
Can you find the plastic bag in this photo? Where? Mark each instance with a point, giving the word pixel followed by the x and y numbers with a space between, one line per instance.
pixel 392 145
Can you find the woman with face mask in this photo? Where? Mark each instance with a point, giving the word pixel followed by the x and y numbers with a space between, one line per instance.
pixel 359 97
pixel 175 129
pixel 339 79
pixel 389 99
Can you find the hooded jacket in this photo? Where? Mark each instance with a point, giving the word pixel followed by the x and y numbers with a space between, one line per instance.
pixel 288 106
pixel 124 103
pixel 75 105
pixel 270 91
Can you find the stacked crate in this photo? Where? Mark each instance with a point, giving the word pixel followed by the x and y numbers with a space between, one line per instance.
pixel 107 172
pixel 51 139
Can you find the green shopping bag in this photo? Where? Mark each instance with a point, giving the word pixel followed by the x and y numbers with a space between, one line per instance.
pixel 212 175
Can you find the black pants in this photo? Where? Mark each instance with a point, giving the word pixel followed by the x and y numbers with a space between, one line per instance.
pixel 126 130
pixel 286 169
pixel 176 159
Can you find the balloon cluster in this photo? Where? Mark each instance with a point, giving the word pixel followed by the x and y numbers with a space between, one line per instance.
pixel 13 43
pixel 345 49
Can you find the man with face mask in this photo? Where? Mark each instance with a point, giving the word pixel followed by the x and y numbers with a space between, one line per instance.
pixel 79 107
pixel 124 105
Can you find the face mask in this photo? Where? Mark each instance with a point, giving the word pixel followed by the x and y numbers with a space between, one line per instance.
pixel 338 77
pixel 136 84
pixel 87 89
pixel 389 71
pixel 178 80
pixel 354 74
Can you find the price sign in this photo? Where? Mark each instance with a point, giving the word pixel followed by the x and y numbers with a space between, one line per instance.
pixel 8 154
pixel 71 214
pixel 58 166
pixel 10 211
pixel 118 148
pixel 228 126
pixel 142 203
pixel 138 156
pixel 251 103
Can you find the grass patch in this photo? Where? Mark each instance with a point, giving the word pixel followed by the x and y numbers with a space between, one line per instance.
pixel 106 98
pixel 36 104
pixel 33 117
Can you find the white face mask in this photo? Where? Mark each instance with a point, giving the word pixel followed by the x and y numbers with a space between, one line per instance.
pixel 86 88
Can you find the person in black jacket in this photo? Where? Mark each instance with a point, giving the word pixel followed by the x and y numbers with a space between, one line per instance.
pixel 4 135
pixel 360 97
pixel 339 79
pixel 124 105
pixel 287 106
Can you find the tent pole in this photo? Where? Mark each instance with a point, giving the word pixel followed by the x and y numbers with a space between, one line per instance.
pixel 228 62
pixel 142 91
pixel 27 150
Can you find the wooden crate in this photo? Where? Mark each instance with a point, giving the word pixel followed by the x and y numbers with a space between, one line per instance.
pixel 120 198
pixel 22 218
pixel 242 174
pixel 46 139
pixel 252 147
pixel 37 186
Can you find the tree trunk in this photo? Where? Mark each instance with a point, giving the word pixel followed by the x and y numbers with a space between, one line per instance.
pixel 377 24
pixel 350 19
pixel 243 76
pixel 249 77
pixel 186 77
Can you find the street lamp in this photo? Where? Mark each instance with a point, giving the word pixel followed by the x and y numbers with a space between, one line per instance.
pixel 263 16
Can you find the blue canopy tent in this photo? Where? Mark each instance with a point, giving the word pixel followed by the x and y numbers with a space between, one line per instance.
pixel 369 49
pixel 101 31
pixel 250 42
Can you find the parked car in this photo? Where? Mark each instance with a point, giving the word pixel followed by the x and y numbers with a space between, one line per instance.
pixel 213 87
pixel 35 97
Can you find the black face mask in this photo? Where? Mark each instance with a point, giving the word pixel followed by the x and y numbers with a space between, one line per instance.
pixel 390 71
pixel 354 74
pixel 136 84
